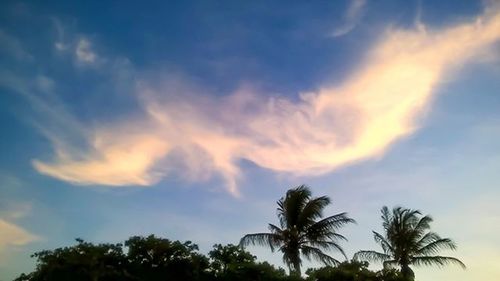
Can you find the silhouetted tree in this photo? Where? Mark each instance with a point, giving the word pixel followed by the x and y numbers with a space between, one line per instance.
pixel 352 271
pixel 152 258
pixel 345 271
pixel 408 241
pixel 148 259
pixel 300 231
pixel 84 261
pixel 230 262
pixel 225 258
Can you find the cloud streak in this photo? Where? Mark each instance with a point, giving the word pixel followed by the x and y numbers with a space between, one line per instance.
pixel 198 136
pixel 351 18
pixel 13 48
pixel 13 235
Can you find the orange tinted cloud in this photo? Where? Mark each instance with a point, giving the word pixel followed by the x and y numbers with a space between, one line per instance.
pixel 13 235
pixel 381 102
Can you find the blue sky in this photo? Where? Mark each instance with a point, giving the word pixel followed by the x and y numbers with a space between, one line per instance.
pixel 189 120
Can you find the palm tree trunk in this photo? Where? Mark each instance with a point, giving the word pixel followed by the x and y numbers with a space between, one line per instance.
pixel 296 262
pixel 296 268
pixel 407 272
pixel 296 271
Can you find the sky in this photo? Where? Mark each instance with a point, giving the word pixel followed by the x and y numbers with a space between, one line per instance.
pixel 190 119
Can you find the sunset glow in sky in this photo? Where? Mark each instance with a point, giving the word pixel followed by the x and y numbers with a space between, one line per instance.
pixel 190 119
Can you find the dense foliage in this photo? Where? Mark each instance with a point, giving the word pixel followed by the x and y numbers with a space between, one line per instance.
pixel 352 271
pixel 149 258
pixel 152 258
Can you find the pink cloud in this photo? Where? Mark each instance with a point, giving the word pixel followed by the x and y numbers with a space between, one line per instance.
pixel 380 103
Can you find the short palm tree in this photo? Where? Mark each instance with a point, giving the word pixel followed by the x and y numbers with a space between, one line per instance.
pixel 407 240
pixel 302 230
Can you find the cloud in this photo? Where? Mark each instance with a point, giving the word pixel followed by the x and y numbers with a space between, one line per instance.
pixel 114 161
pixel 351 18
pixel 12 47
pixel 14 211
pixel 83 51
pixel 13 235
pixel 185 131
pixel 59 43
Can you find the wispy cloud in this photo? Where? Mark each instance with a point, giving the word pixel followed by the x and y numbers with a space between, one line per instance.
pixel 11 47
pixel 84 52
pixel 59 43
pixel 14 211
pixel 80 47
pixel 11 234
pixel 380 103
pixel 351 18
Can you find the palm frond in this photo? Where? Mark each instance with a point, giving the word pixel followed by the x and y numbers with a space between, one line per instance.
pixel 386 246
pixel 290 206
pixel 410 216
pixel 386 217
pixel 275 229
pixel 262 239
pixel 418 227
pixel 427 238
pixel 435 246
pixel 437 260
pixel 333 222
pixel 333 236
pixel 312 210
pixel 327 227
pixel 318 233
pixel 315 253
pixel 423 224
pixel 328 245
pixel 371 256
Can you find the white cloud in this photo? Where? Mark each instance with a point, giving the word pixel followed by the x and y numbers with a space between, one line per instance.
pixel 380 103
pixel 351 18
pixel 84 53
pixel 59 44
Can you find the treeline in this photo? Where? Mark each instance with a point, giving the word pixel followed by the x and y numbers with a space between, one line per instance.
pixel 153 259
pixel 303 232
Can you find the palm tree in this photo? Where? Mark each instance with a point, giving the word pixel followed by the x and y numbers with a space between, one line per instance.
pixel 408 241
pixel 300 231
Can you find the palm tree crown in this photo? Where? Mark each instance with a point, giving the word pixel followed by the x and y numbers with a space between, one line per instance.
pixel 408 241
pixel 300 231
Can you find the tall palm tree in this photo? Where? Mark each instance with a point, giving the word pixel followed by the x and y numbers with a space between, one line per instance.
pixel 300 231
pixel 407 240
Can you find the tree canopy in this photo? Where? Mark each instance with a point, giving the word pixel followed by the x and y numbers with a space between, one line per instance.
pixel 153 258
pixel 149 258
